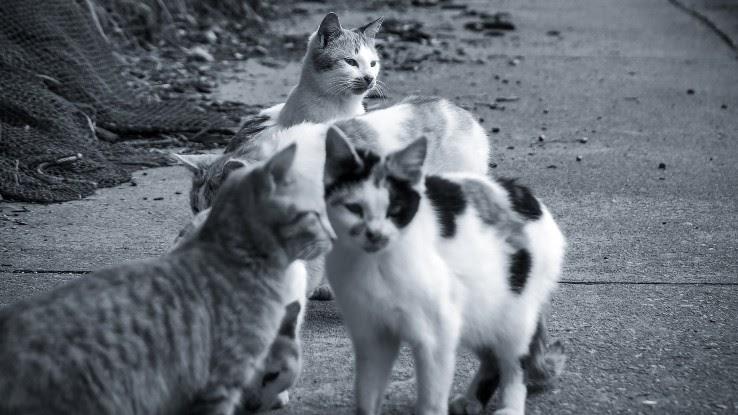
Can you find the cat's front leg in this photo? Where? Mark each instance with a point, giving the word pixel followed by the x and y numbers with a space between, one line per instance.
pixel 376 351
pixel 220 400
pixel 435 359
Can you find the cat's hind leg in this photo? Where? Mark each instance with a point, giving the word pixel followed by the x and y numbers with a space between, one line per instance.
pixel 512 381
pixel 481 389
pixel 376 351
pixel 435 360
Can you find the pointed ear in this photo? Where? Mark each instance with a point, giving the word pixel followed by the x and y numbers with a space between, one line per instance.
pixel 278 166
pixel 340 155
pixel 371 29
pixel 289 322
pixel 196 163
pixel 231 165
pixel 408 162
pixel 330 28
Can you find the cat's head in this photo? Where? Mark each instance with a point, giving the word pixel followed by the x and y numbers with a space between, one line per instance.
pixel 281 366
pixel 343 62
pixel 370 198
pixel 208 175
pixel 273 205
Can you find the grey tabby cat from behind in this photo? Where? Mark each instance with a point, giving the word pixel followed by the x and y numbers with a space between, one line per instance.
pixel 184 333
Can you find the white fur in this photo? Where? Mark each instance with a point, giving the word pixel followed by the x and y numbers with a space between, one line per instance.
pixel 435 293
pixel 462 146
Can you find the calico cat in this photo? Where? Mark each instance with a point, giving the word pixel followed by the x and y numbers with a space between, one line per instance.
pixel 339 68
pixel 439 261
pixel 184 333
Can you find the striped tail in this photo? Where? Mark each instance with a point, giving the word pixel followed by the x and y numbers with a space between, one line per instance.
pixel 545 361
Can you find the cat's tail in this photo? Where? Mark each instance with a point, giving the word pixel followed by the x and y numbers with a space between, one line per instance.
pixel 545 361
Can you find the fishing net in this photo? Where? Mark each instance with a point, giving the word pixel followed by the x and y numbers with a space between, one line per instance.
pixel 60 83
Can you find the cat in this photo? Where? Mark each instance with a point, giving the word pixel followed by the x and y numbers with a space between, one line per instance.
pixel 439 261
pixel 458 143
pixel 339 68
pixel 269 389
pixel 183 333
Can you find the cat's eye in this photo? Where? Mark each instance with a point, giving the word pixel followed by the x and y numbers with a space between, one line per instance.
pixel 354 208
pixel 352 62
pixel 394 210
pixel 373 63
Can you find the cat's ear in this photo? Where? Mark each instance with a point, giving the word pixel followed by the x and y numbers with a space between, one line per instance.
pixel 231 165
pixel 340 155
pixel 370 30
pixel 408 163
pixel 330 28
pixel 289 322
pixel 278 166
pixel 196 163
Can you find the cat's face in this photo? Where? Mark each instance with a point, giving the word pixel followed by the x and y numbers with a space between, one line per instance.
pixel 279 203
pixel 343 62
pixel 371 199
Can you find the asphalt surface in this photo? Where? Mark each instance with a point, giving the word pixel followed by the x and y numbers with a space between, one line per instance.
pixel 648 305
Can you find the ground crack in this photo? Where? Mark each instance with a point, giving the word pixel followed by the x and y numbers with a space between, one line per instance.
pixel 707 22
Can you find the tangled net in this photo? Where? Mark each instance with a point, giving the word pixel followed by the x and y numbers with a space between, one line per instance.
pixel 60 88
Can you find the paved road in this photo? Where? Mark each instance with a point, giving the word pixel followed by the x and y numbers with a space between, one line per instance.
pixel 649 303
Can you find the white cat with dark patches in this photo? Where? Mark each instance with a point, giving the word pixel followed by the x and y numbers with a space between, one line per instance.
pixel 339 68
pixel 440 261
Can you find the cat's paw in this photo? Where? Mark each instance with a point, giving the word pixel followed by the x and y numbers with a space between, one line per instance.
pixel 322 293
pixel 461 405
pixel 282 399
pixel 509 411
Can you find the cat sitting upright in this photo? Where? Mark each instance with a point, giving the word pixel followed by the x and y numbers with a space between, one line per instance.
pixel 339 68
pixel 437 261
pixel 184 333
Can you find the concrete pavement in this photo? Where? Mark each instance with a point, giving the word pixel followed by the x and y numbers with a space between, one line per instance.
pixel 648 308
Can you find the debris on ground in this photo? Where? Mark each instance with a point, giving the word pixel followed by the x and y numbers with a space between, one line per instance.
pixel 495 24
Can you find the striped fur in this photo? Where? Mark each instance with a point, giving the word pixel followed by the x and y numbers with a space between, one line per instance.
pixel 184 332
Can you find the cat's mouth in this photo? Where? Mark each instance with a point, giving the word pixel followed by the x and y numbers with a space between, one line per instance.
pixel 372 247
pixel 361 87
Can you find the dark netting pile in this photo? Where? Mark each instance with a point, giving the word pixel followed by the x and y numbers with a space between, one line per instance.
pixel 59 80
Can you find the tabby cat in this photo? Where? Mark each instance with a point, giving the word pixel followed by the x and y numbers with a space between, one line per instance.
pixel 184 333
pixel 439 261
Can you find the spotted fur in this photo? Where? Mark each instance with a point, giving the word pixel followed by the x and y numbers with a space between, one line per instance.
pixel 467 267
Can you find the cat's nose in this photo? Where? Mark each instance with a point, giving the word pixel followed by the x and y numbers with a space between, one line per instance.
pixel 368 79
pixel 373 236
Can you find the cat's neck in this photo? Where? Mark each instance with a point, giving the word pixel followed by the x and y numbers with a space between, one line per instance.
pixel 257 247
pixel 307 102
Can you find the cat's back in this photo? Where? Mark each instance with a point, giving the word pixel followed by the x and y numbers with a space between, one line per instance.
pixel 106 343
pixel 503 213
pixel 456 141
